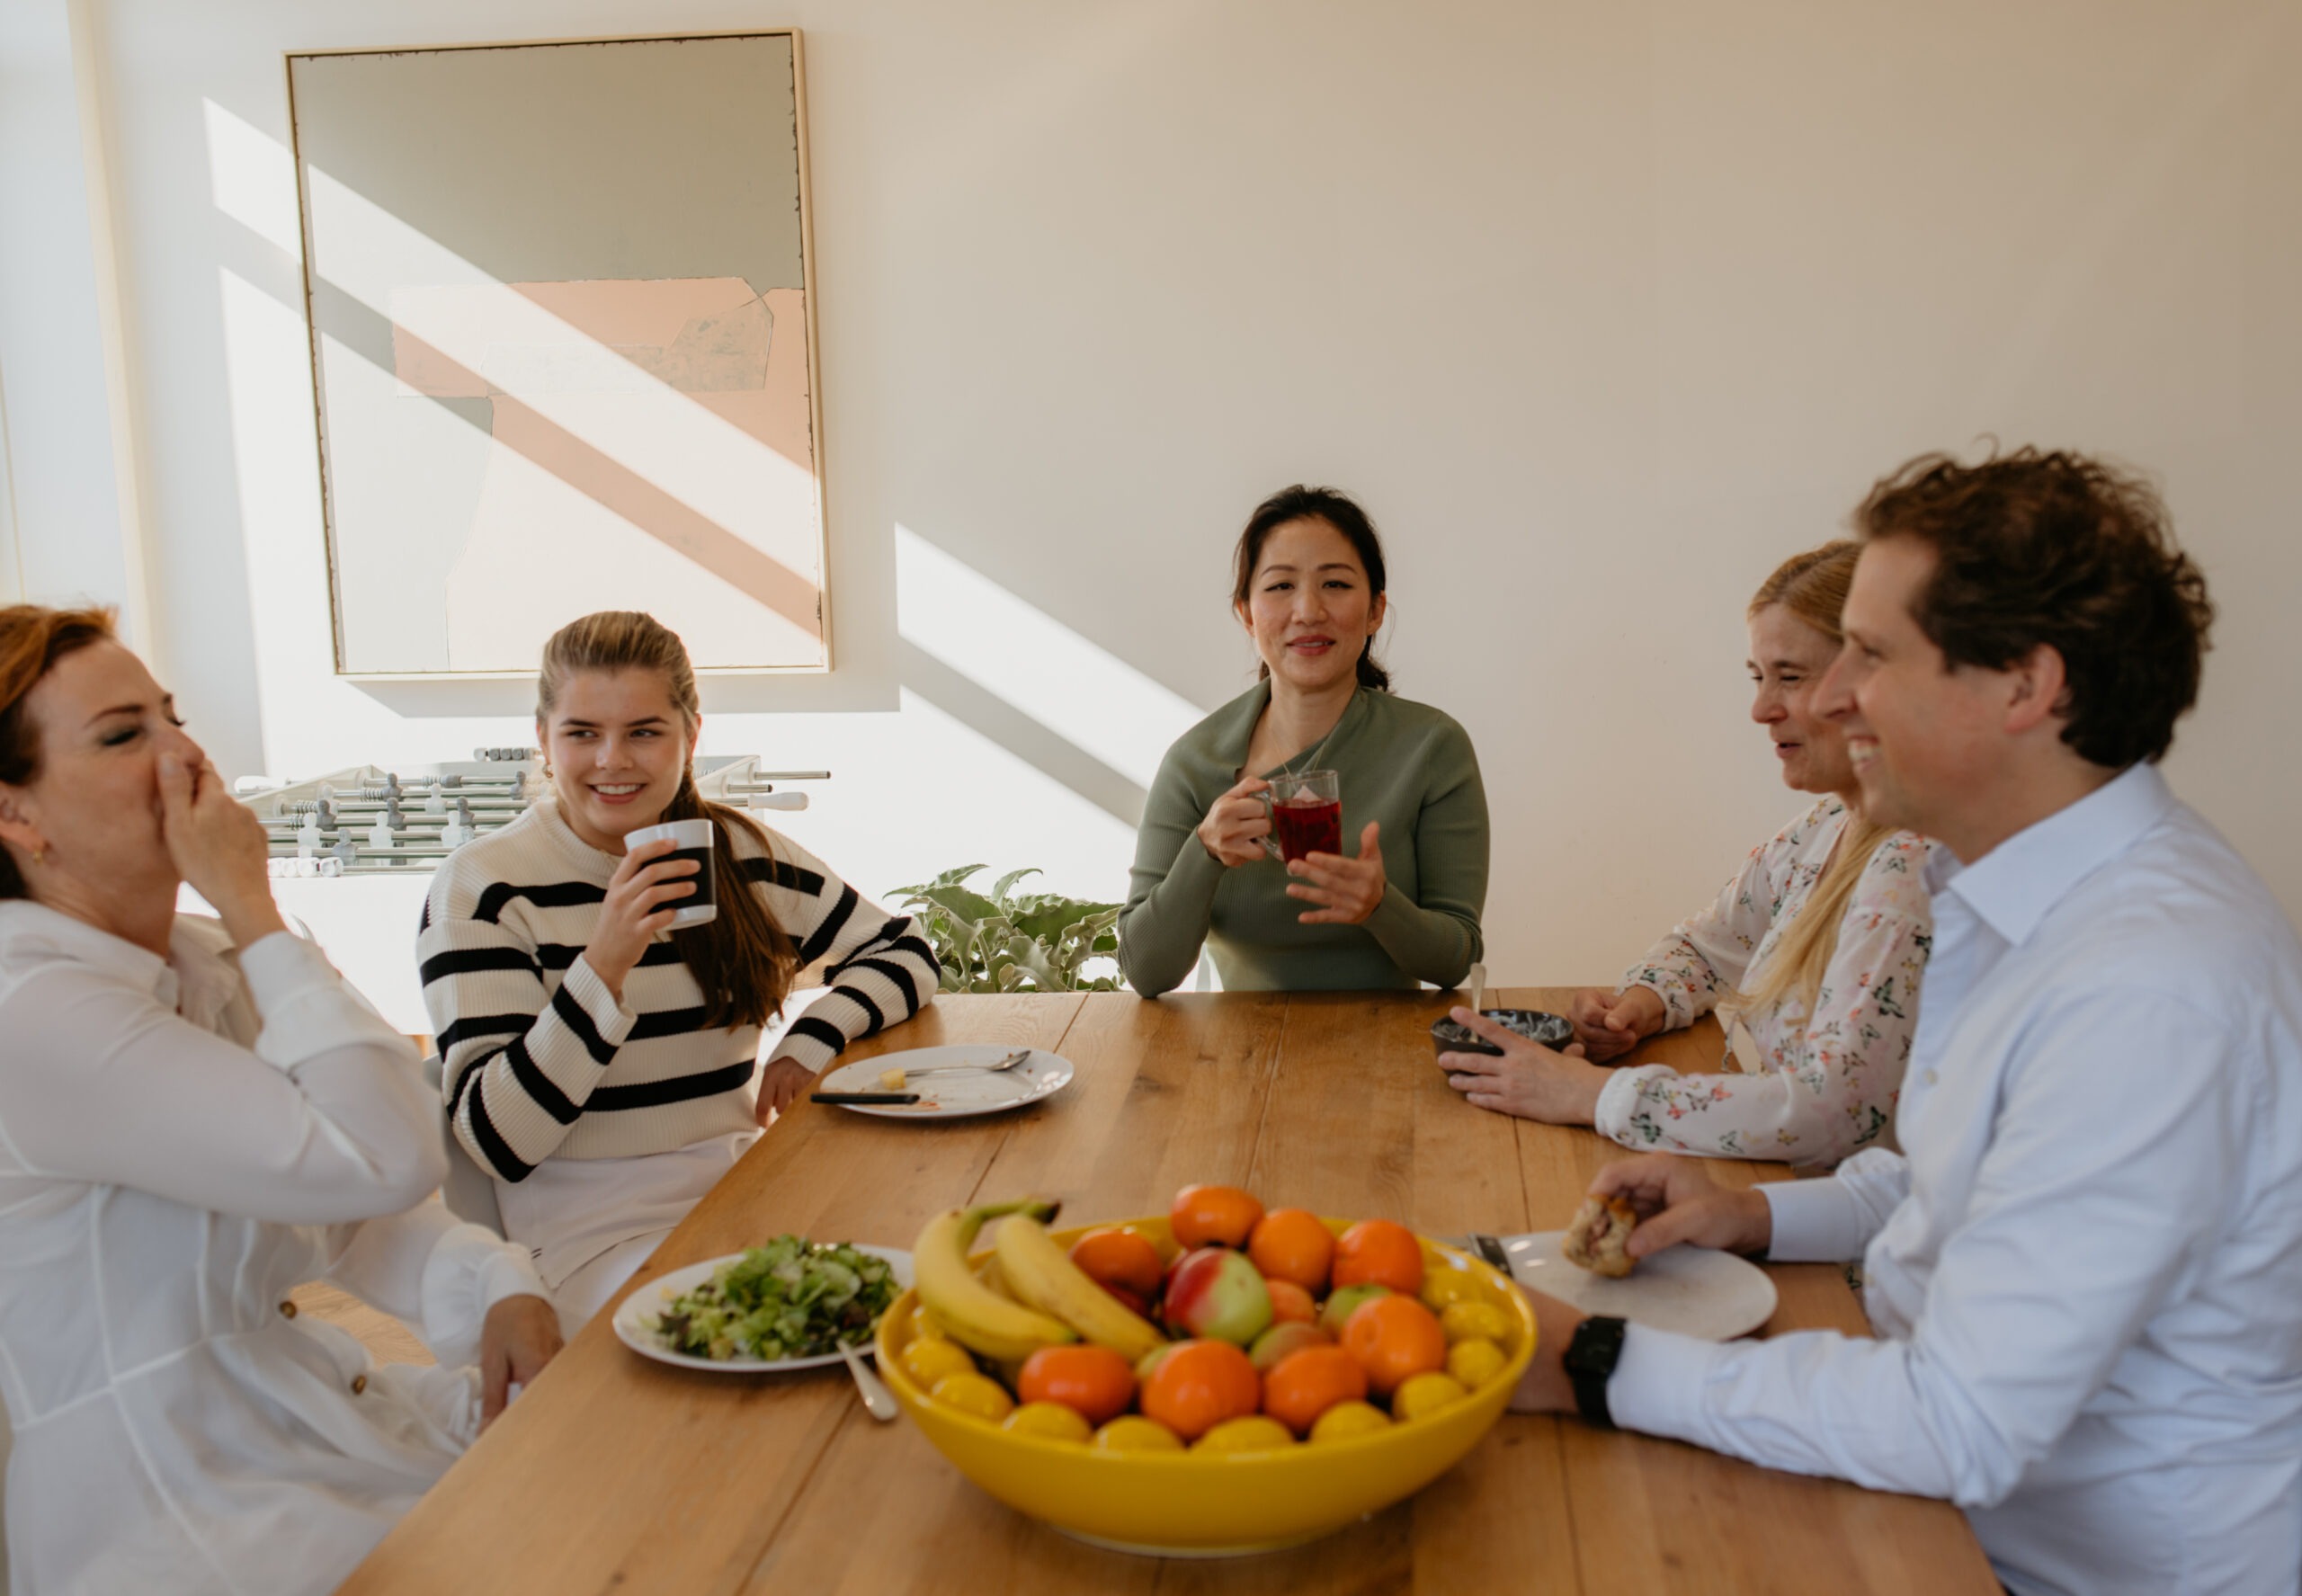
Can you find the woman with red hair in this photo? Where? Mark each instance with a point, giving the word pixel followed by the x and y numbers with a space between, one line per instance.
pixel 196 1116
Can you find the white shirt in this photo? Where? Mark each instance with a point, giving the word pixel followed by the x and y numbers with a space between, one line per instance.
pixel 183 1142
pixel 2085 1269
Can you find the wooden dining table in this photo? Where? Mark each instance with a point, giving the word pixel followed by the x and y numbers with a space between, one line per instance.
pixel 614 1473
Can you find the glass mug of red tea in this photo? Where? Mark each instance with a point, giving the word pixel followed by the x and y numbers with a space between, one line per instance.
pixel 1306 815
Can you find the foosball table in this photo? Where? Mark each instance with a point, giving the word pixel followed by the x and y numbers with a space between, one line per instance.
pixel 353 851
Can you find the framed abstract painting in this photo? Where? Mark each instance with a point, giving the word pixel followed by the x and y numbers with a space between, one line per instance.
pixel 562 329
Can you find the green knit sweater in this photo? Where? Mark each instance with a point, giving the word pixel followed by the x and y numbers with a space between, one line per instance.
pixel 1405 764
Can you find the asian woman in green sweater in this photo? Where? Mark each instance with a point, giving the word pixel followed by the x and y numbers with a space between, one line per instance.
pixel 1404 906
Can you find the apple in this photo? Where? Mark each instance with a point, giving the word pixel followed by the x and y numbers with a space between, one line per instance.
pixel 1218 1295
pixel 1280 1340
pixel 1345 1302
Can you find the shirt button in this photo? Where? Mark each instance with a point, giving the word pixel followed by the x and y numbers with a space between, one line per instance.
pixel 358 1383
pixel 288 1310
pixel 1932 1077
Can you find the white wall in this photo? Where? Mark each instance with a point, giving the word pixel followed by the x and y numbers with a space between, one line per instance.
pixel 1600 307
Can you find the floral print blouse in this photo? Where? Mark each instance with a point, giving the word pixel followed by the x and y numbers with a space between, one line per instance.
pixel 1825 1084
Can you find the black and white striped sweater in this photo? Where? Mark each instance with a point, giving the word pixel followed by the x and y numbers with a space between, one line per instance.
pixel 541 1061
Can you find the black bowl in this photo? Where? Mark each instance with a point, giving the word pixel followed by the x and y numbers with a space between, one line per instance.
pixel 1552 1030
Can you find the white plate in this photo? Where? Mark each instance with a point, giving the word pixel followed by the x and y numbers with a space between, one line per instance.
pixel 1695 1291
pixel 656 1295
pixel 960 1093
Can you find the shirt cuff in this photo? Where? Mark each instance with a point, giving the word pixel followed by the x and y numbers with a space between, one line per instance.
pixel 612 1020
pixel 307 1007
pixel 1658 1382
pixel 1816 1221
pixel 469 1271
pixel 1619 1100
pixel 1678 1010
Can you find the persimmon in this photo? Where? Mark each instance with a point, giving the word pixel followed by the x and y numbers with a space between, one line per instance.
pixel 1393 1338
pixel 1093 1382
pixel 1213 1217
pixel 1292 1244
pixel 1290 1303
pixel 1379 1253
pixel 1199 1385
pixel 1309 1382
pixel 1116 1257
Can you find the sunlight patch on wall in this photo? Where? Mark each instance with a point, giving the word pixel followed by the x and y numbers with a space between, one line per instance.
pixel 1069 683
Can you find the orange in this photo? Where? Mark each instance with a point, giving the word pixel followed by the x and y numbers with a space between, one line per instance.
pixel 1093 1382
pixel 1308 1383
pixel 1213 1217
pixel 1379 1253
pixel 1395 1338
pixel 1290 1303
pixel 1293 1246
pixel 1199 1385
pixel 1114 1257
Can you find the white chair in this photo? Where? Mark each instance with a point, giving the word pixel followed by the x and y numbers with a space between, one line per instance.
pixel 469 1191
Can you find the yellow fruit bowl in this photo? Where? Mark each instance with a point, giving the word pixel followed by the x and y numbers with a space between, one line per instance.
pixel 1182 1504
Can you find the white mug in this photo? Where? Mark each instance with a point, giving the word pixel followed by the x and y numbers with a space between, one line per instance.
pixel 690 838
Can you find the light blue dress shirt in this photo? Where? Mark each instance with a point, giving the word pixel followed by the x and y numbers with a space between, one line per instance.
pixel 2085 1267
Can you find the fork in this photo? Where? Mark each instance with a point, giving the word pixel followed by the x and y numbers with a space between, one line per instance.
pixel 1008 1063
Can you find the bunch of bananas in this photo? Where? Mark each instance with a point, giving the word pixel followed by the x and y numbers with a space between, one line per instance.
pixel 1035 1297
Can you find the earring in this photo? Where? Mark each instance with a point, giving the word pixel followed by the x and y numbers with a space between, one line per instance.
pixel 40 854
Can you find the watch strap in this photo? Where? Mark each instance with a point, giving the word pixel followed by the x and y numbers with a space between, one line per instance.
pixel 1589 1360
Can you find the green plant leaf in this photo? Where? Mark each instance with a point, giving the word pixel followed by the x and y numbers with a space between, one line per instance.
pixel 1009 879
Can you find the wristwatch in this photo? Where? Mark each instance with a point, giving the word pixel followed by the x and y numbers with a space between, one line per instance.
pixel 1591 1358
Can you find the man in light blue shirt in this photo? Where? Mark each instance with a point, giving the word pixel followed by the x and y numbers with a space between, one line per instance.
pixel 2085 1267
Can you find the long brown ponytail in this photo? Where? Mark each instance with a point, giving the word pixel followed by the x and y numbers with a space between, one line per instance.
pixel 1813 587
pixel 743 960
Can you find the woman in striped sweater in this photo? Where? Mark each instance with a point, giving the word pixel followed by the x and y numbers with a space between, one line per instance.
pixel 599 1063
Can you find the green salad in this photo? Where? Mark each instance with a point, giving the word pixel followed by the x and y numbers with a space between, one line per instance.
pixel 790 1298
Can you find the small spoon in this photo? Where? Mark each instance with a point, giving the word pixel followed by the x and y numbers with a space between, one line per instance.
pixel 1479 989
pixel 877 1400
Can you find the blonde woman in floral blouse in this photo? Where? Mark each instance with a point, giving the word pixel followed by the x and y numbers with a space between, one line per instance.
pixel 1811 955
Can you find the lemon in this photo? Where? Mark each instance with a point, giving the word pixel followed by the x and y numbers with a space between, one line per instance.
pixel 976 1394
pixel 1444 1287
pixel 923 1325
pixel 1347 1419
pixel 927 1362
pixel 1466 1320
pixel 1051 1421
pixel 1476 1361
pixel 1421 1395
pixel 1257 1432
pixel 1132 1432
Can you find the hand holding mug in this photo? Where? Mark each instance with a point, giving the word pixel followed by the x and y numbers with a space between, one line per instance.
pixel 1609 1024
pixel 644 896
pixel 1347 890
pixel 1237 824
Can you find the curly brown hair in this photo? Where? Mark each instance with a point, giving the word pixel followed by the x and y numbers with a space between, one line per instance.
pixel 2049 547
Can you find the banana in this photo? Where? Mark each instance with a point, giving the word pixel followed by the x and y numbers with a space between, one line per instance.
pixel 1040 1273
pixel 973 1315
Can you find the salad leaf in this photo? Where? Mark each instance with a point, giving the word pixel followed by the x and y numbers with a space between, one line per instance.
pixel 790 1298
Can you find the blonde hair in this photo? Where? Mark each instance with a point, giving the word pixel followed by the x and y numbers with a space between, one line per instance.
pixel 743 961
pixel 1812 586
